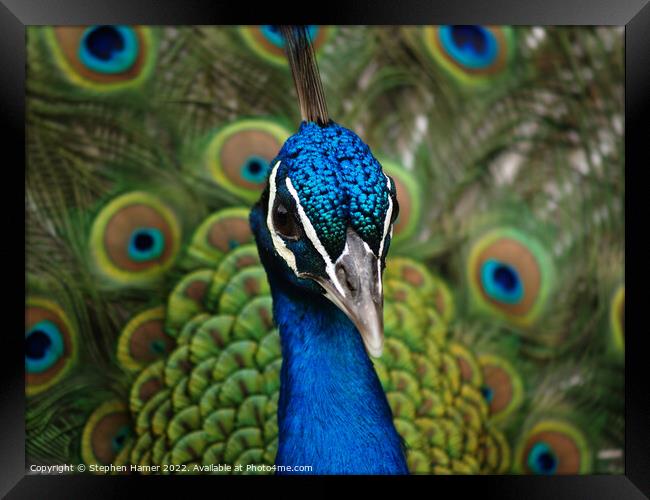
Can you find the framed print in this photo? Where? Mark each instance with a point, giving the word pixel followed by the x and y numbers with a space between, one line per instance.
pixel 388 243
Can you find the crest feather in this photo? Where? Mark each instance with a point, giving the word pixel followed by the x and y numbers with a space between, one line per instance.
pixel 306 77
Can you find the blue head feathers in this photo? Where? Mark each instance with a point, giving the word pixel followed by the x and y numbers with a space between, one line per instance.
pixel 324 186
pixel 339 182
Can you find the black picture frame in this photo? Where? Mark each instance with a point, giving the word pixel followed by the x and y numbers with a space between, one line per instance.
pixel 15 15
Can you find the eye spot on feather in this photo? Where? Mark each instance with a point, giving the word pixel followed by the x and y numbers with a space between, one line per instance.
pixel 509 274
pixel 502 386
pixel 554 447
pixel 487 393
pixel 267 43
pixel 542 460
pixel 134 248
pixel 497 389
pixel 103 57
pixel 471 54
pixel 107 433
pixel 43 346
pixel 144 340
pixel 505 265
pixel 502 281
pixel 470 46
pixel 50 345
pixel 146 244
pixel 135 238
pixel 255 169
pixel 109 49
pixel 238 156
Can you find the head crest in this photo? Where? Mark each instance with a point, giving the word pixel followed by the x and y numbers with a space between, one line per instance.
pixel 306 78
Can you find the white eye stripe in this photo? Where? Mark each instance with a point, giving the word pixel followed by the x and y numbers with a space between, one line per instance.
pixel 310 232
pixel 389 215
pixel 278 243
pixel 387 226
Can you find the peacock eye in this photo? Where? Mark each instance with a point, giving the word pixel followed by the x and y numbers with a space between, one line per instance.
pixel 285 223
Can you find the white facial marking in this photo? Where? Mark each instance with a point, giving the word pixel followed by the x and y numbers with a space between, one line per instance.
pixel 313 237
pixel 387 227
pixel 278 243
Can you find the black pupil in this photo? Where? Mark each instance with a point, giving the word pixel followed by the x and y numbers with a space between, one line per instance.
pixel 38 343
pixel 469 35
pixel 143 241
pixel 486 392
pixel 119 439
pixel 158 346
pixel 505 277
pixel 255 167
pixel 281 215
pixel 103 41
pixel 283 222
pixel 546 461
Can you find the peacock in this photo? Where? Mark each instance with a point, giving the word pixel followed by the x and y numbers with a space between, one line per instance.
pixel 222 279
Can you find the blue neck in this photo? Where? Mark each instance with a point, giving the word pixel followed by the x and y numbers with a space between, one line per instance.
pixel 332 413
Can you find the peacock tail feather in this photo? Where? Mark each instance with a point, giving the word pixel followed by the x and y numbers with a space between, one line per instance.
pixel 149 330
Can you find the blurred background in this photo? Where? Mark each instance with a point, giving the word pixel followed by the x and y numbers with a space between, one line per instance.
pixel 146 147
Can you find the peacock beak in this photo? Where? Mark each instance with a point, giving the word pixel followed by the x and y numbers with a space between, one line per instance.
pixel 355 287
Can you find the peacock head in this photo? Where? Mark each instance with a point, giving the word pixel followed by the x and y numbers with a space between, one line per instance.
pixel 324 223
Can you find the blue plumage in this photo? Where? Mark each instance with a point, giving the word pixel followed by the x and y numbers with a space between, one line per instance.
pixel 339 181
pixel 333 413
